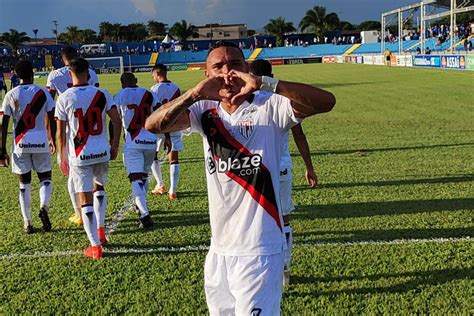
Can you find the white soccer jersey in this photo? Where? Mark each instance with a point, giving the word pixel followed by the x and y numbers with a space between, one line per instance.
pixel 28 104
pixel 135 105
pixel 242 152
pixel 165 91
pixel 60 80
pixel 84 108
pixel 285 162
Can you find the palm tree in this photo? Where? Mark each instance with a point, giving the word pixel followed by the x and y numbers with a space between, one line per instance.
pixel 156 28
pixel 116 30
pixel 72 35
pixel 14 38
pixel 106 31
pixel 88 36
pixel 318 22
pixel 279 27
pixel 182 30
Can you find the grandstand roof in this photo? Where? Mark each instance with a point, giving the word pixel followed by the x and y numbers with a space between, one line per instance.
pixel 447 3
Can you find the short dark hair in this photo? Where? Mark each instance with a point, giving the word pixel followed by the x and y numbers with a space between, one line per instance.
pixel 69 52
pixel 162 69
pixel 24 69
pixel 225 44
pixel 79 65
pixel 261 67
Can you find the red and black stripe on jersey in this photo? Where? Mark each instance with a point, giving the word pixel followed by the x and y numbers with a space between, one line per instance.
pixel 140 115
pixel 99 101
pixel 259 185
pixel 28 119
pixel 164 101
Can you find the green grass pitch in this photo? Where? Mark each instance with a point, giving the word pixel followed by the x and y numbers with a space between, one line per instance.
pixel 395 159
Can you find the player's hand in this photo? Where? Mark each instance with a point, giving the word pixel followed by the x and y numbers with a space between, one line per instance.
pixel 311 178
pixel 113 152
pixel 217 88
pixel 52 147
pixel 248 84
pixel 4 160
pixel 64 167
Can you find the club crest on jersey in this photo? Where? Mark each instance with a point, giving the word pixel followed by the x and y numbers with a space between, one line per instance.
pixel 247 122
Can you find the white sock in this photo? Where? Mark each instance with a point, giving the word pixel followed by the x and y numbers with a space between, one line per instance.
pixel 147 184
pixel 46 187
pixel 25 202
pixel 90 224
pixel 73 197
pixel 138 189
pixel 289 245
pixel 174 177
pixel 156 170
pixel 100 207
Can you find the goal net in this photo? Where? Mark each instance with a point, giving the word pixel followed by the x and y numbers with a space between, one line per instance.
pixel 107 65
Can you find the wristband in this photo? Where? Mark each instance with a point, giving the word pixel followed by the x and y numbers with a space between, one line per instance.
pixel 269 84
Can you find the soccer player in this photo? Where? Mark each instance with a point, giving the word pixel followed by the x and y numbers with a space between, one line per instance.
pixel 166 91
pixel 58 82
pixel 83 107
pixel 29 105
pixel 262 67
pixel 135 104
pixel 242 136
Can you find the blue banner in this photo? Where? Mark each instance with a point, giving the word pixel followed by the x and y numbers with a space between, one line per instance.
pixel 453 61
pixel 427 61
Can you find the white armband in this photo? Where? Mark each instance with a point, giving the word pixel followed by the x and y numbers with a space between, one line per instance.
pixel 269 84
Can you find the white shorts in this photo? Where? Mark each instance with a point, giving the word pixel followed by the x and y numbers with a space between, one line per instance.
pixel 176 141
pixel 84 177
pixel 138 160
pixel 243 285
pixel 286 184
pixel 25 162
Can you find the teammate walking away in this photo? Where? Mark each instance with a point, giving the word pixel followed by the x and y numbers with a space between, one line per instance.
pixel 242 136
pixel 58 82
pixel 166 91
pixel 83 107
pixel 135 104
pixel 29 105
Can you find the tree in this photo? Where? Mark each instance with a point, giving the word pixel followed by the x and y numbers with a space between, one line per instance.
pixel 318 22
pixel 346 26
pixel 72 35
pixel 136 32
pixel 87 36
pixel 279 27
pixel 182 30
pixel 106 31
pixel 116 31
pixel 156 28
pixel 14 38
pixel 369 26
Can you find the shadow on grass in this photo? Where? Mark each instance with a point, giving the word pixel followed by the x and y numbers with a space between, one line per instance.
pixel 418 279
pixel 383 234
pixel 366 209
pixel 458 179
pixel 163 221
pixel 364 151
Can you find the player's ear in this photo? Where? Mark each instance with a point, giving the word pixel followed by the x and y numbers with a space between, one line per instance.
pixel 206 73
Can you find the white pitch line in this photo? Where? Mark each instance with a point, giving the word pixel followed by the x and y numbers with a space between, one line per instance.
pixel 119 216
pixel 199 248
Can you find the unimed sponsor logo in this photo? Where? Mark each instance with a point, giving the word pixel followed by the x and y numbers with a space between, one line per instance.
pixel 93 156
pixel 29 145
pixel 145 142
pixel 244 166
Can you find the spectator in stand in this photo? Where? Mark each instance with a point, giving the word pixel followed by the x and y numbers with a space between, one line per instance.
pixel 427 51
pixel 14 80
pixel 3 85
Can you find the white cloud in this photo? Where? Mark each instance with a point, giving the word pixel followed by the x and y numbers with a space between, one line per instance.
pixel 145 7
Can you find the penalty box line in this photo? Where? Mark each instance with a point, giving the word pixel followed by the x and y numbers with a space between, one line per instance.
pixel 201 248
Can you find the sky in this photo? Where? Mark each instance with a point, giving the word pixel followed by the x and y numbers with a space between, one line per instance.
pixel 26 15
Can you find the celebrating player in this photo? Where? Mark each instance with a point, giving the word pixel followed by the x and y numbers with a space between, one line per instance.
pixel 29 105
pixel 83 108
pixel 262 67
pixel 243 135
pixel 58 82
pixel 166 91
pixel 135 104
